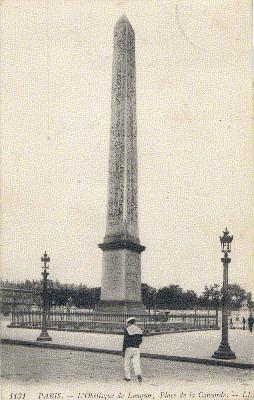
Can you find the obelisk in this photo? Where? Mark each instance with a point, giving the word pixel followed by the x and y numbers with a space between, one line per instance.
pixel 121 265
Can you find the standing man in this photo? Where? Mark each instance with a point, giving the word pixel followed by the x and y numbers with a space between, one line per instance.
pixel 244 322
pixel 250 322
pixel 133 336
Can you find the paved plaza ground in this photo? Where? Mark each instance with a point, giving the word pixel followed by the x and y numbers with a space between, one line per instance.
pixel 38 366
pixel 200 344
pixel 33 370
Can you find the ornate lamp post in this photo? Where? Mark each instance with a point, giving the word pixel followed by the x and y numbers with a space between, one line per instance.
pixel 44 336
pixel 224 351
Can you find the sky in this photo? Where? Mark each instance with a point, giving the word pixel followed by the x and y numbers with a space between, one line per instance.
pixel 195 145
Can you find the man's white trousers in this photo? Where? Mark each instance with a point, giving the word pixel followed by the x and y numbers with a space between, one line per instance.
pixel 132 358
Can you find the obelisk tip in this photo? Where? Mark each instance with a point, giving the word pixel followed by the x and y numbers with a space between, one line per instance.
pixel 123 19
pixel 124 16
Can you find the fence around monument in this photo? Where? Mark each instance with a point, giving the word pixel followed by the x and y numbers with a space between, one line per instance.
pixel 85 321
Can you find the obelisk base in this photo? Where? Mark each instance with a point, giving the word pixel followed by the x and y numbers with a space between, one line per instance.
pixel 120 307
pixel 121 280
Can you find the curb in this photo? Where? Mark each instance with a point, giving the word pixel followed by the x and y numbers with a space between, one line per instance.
pixel 206 361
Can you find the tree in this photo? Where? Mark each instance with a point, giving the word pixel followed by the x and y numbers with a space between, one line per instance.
pixel 236 295
pixel 170 297
pixel 148 294
pixel 211 296
pixel 189 299
pixel 250 303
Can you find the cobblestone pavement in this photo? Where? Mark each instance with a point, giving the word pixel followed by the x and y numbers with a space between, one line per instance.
pixel 190 344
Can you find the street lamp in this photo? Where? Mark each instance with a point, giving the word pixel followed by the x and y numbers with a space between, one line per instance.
pixel 44 336
pixel 224 351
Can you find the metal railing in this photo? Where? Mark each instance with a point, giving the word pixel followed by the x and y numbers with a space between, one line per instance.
pixel 85 321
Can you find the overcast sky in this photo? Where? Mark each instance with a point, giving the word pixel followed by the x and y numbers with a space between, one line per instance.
pixel 194 137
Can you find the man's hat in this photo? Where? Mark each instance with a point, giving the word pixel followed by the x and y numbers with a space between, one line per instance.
pixel 131 319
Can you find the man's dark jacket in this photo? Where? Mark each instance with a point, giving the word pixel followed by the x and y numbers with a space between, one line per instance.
pixel 133 336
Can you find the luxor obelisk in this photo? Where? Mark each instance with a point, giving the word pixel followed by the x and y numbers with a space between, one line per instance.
pixel 121 267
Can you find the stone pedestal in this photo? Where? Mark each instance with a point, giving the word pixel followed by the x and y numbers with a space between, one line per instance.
pixel 121 277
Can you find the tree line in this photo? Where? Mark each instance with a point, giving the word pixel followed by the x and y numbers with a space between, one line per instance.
pixel 174 297
pixel 167 297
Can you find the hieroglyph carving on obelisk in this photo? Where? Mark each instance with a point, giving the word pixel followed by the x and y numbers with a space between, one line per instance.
pixel 121 275
pixel 122 193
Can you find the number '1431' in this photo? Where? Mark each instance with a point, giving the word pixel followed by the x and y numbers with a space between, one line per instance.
pixel 17 396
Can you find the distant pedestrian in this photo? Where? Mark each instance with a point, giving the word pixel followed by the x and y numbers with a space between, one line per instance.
pixel 250 322
pixel 133 336
pixel 244 322
pixel 231 323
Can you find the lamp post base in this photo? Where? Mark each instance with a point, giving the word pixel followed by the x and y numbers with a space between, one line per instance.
pixel 224 352
pixel 44 337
